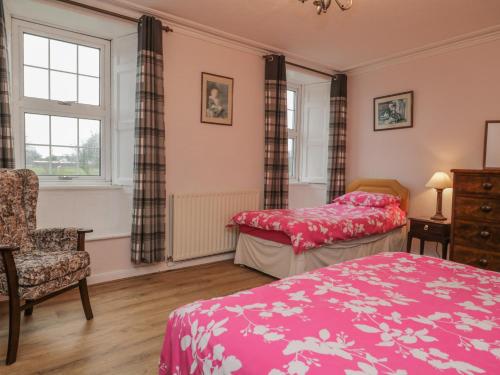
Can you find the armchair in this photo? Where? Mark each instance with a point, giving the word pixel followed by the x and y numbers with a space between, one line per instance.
pixel 35 264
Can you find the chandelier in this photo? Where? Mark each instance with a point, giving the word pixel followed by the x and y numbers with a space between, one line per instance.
pixel 323 5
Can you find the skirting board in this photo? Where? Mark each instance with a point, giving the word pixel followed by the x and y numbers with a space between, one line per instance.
pixel 162 267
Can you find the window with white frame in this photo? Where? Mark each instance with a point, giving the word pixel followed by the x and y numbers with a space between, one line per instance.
pixel 308 114
pixel 292 117
pixel 61 96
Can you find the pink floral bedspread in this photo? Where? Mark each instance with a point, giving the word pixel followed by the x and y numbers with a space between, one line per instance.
pixel 309 228
pixel 390 313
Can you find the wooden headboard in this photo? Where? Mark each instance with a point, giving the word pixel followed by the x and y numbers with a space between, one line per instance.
pixel 379 185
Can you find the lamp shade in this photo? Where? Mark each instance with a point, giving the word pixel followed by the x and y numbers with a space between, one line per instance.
pixel 439 180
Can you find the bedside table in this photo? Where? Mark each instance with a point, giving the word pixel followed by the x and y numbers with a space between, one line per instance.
pixel 429 230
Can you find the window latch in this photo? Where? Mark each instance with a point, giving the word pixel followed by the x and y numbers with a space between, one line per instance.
pixel 65 178
pixel 63 102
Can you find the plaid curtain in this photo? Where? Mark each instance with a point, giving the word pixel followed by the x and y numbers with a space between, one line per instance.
pixel 276 133
pixel 149 202
pixel 337 137
pixel 6 142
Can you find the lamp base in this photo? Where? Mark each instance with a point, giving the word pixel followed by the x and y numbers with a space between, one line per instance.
pixel 438 217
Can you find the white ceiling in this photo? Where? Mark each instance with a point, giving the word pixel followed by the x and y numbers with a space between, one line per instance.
pixel 371 30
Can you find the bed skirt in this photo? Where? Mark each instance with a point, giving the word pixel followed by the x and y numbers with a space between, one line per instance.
pixel 280 261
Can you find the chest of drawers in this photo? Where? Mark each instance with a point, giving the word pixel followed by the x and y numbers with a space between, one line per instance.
pixel 475 226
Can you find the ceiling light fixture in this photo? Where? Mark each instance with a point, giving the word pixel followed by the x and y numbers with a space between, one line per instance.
pixel 323 5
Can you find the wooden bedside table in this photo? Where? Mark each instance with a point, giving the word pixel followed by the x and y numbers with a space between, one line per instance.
pixel 429 230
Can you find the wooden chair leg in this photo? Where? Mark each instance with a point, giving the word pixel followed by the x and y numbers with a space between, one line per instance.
pixel 84 295
pixel 14 328
pixel 14 303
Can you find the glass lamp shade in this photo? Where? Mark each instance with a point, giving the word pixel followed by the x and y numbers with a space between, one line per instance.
pixel 439 180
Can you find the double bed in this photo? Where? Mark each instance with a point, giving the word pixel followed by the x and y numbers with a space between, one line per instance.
pixel 390 313
pixel 272 251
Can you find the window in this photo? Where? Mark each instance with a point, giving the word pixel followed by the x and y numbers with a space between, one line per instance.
pixel 308 115
pixel 61 94
pixel 292 117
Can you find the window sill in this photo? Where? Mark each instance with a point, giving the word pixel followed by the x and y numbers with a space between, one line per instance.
pixel 49 187
pixel 318 184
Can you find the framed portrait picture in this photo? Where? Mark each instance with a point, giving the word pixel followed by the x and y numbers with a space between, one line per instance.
pixel 393 111
pixel 216 99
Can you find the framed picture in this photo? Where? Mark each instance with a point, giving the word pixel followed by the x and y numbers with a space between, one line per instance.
pixel 216 99
pixel 393 111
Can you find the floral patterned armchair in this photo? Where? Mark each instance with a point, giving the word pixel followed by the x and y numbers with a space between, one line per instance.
pixel 35 264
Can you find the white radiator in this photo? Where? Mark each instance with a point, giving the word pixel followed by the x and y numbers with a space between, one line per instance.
pixel 198 222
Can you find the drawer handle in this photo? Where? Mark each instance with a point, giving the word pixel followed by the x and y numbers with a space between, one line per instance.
pixel 483 262
pixel 485 208
pixel 484 234
pixel 426 227
pixel 487 185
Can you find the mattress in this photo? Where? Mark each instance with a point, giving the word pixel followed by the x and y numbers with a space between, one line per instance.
pixel 309 228
pixel 391 313
pixel 279 260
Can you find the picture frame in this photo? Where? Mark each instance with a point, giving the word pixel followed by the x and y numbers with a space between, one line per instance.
pixel 216 99
pixel 491 149
pixel 393 111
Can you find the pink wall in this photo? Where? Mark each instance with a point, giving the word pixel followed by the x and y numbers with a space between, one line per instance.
pixel 455 93
pixel 200 157
pixel 212 158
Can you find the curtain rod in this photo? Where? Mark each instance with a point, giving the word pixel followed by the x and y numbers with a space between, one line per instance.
pixel 310 69
pixel 302 67
pixel 107 12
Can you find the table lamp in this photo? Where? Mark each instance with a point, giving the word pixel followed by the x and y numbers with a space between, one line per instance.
pixel 439 181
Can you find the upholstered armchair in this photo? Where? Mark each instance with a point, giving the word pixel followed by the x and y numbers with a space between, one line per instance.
pixel 35 264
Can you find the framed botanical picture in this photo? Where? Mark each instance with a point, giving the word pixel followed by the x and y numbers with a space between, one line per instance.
pixel 393 111
pixel 216 99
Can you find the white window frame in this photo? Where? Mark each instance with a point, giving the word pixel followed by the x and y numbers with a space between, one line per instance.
pixel 295 133
pixel 22 105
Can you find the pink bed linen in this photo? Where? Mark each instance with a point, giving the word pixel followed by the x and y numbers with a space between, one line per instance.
pixel 391 313
pixel 309 228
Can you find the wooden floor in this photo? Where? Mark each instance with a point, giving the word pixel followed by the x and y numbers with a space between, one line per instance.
pixel 130 316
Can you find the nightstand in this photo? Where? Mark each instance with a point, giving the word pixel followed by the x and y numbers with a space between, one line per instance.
pixel 429 230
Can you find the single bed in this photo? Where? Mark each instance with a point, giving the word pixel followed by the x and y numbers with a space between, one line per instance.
pixel 272 253
pixel 390 313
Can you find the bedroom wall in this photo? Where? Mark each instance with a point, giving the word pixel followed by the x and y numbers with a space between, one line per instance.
pixel 200 157
pixel 455 93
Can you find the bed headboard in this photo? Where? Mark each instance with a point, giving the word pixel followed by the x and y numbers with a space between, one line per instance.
pixel 380 185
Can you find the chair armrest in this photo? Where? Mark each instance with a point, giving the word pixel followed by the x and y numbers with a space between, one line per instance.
pixel 81 238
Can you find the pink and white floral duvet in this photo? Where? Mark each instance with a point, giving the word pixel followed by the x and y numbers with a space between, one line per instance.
pixel 391 313
pixel 309 228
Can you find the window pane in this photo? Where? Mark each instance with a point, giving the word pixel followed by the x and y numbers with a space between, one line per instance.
pixel 88 90
pixel 36 82
pixel 64 131
pixel 290 99
pixel 36 128
pixel 36 51
pixel 62 86
pixel 65 161
pixel 62 56
pixel 88 61
pixel 291 157
pixel 291 119
pixel 89 133
pixel 90 161
pixel 38 159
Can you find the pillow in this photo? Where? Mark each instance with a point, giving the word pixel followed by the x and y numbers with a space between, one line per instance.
pixel 363 198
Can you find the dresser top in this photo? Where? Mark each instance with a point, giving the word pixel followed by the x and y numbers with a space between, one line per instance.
pixel 476 171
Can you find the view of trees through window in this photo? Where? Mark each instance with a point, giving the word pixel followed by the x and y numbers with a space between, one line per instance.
pixel 62 146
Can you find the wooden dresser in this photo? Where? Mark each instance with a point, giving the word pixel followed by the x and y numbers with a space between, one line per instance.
pixel 475 225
